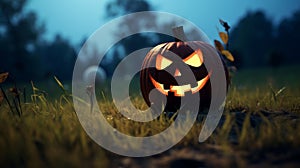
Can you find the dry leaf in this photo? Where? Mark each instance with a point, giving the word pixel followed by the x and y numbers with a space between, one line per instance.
pixel 218 45
pixel 224 24
pixel 3 77
pixel 228 55
pixel 14 91
pixel 1 97
pixel 224 37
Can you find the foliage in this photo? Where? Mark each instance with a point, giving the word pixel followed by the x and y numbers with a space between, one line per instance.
pixel 252 38
pixel 14 93
pixel 57 57
pixel 224 37
pixel 254 42
pixel 287 39
pixel 257 42
pixel 18 36
pixel 118 7
pixel 24 52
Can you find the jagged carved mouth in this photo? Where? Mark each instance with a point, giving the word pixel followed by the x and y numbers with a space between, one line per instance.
pixel 180 90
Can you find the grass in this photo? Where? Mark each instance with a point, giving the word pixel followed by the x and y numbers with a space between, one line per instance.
pixel 260 128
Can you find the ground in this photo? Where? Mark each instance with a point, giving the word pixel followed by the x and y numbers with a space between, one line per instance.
pixel 259 128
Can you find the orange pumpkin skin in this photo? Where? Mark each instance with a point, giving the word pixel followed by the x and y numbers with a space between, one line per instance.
pixel 157 73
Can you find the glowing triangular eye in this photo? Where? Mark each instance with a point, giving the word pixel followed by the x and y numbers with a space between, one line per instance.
pixel 195 59
pixel 162 62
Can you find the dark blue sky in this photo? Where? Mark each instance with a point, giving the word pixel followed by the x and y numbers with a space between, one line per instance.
pixel 75 19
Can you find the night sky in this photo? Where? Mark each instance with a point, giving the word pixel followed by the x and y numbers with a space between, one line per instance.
pixel 76 19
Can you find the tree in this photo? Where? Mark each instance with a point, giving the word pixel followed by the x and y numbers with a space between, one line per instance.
pixel 288 38
pixel 19 34
pixel 131 43
pixel 131 25
pixel 58 58
pixel 253 39
pixel 121 7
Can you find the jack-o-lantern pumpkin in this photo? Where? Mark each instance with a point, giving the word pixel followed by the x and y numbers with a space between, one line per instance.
pixel 166 63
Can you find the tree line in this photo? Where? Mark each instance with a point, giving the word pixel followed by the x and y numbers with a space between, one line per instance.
pixel 24 52
pixel 255 42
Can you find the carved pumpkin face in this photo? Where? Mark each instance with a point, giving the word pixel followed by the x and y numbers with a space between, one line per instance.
pixel 167 64
pixel 194 60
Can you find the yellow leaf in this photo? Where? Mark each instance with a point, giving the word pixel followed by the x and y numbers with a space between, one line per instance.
pixel 228 55
pixel 224 37
pixel 3 77
pixel 218 45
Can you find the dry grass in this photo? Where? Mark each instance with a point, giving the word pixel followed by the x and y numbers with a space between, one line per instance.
pixel 259 128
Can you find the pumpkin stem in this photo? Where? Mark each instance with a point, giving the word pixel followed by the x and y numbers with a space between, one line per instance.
pixel 178 34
